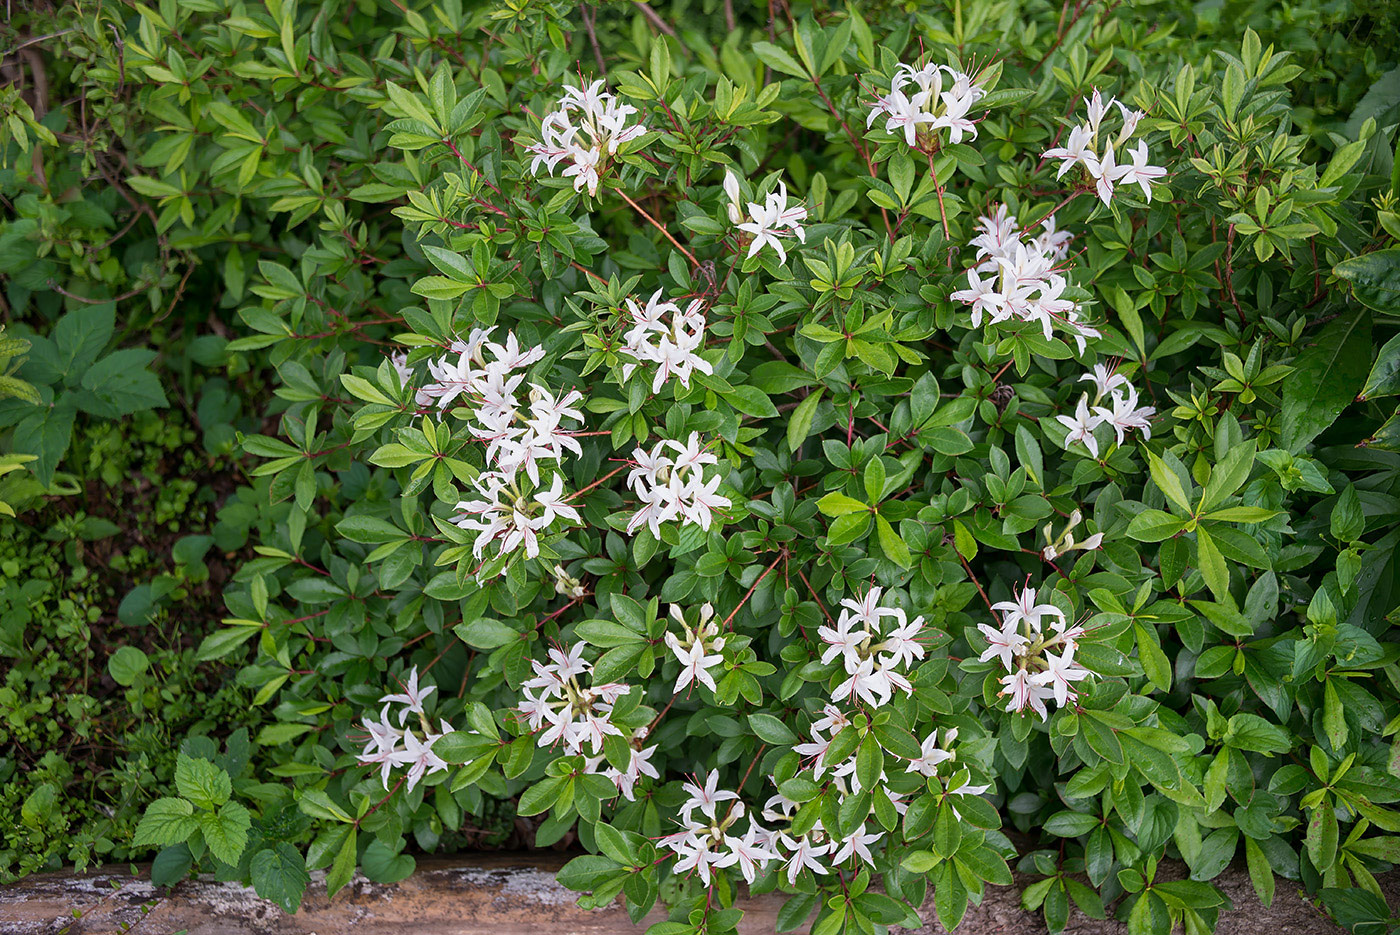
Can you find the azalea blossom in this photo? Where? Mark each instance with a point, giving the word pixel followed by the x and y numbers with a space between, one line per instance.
pixel 871 652
pixel 1088 145
pixel 1017 277
pixel 698 651
pixel 564 710
pixel 392 747
pixel 586 129
pixel 1081 426
pixel 665 336
pixel 1039 660
pixel 670 485
pixel 922 101
pixel 771 221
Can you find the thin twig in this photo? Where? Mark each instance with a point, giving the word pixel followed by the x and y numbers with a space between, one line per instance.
pixel 654 19
pixel 657 224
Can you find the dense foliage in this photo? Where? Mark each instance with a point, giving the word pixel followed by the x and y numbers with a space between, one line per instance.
pixel 848 451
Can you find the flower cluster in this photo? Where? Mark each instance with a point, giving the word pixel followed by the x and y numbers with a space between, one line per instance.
pixel 577 718
pixel 766 223
pixel 672 345
pixel 391 746
pixel 587 128
pixel 1015 277
pixel 1099 159
pixel 805 851
pixel 698 650
pixel 927 105
pixel 706 841
pixel 1035 674
pixel 673 486
pixel 1123 412
pixel 870 650
pixel 519 437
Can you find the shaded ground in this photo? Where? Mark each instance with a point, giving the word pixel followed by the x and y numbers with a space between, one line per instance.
pixel 504 895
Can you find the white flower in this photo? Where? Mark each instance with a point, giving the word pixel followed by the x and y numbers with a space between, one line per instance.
pixel 1078 150
pixel 870 653
pixel 600 129
pixel 1002 644
pixel 804 854
pixel 1023 691
pixel 1059 672
pixel 674 487
pixel 1024 608
pixel 382 748
pixel 706 797
pixel 930 106
pixel 1081 427
pixel 731 190
pixel 412 696
pixel 857 845
pixel 420 759
pixel 752 852
pixel 773 220
pixel 672 345
pixel 1125 415
pixel 933 755
pixel 1015 276
pixel 1105 380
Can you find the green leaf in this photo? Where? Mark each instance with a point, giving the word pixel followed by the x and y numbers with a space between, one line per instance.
pixel 1229 475
pixel 1374 278
pixel 120 384
pixel 45 434
pixel 838 504
pixel 343 868
pixel 778 59
pixel 127 664
pixel 890 541
pixel 226 831
pixel 800 423
pixel 166 821
pixel 1212 565
pixel 200 781
pixel 279 874
pixel 1154 526
pixel 1384 378
pixel 485 633
pixel 1154 662
pixel 1321 838
pixel 750 400
pixel 772 730
pixel 1166 480
pixel 1326 378
pixel 382 865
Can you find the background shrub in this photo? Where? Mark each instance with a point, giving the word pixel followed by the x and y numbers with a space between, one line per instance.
pixel 300 208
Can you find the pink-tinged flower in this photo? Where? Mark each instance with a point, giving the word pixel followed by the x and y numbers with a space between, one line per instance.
pixel 1023 692
pixel 1059 672
pixel 1024 607
pixel 1125 415
pixel 857 846
pixel 1078 150
pixel 411 697
pixel 804 854
pixel 706 797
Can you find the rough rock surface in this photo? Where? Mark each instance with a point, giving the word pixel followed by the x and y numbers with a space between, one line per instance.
pixel 502 895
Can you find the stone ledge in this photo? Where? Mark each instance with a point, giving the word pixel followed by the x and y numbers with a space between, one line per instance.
pixel 503 894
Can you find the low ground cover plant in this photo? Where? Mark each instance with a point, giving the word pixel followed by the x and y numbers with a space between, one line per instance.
pixel 848 451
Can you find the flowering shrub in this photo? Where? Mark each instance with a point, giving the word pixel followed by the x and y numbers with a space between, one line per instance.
pixel 820 454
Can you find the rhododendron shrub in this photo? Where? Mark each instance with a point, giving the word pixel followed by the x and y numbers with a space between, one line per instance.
pixel 836 457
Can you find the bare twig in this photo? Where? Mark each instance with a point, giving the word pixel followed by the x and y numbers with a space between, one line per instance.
pixel 586 15
pixel 654 19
